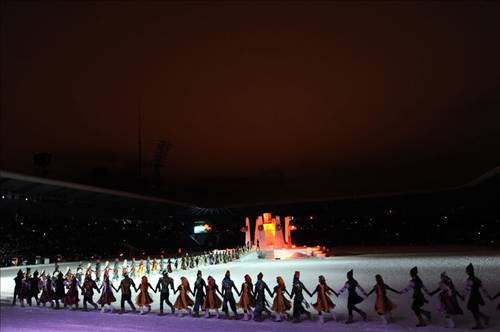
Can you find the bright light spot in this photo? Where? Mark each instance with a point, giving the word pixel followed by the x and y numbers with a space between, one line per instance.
pixel 205 228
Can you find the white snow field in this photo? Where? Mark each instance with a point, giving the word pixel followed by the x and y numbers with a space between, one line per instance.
pixel 394 267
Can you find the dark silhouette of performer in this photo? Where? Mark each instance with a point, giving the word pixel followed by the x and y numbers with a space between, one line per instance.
pixel 298 298
pixel 260 297
pixel 169 265
pixel 59 289
pixel 125 286
pixel 18 280
pixel 88 291
pixel 35 288
pixel 198 293
pixel 98 271
pixel 163 284
pixel 473 288
pixel 418 297
pixel 227 295
pixel 353 298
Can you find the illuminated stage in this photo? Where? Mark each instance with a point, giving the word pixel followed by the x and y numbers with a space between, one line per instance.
pixel 270 242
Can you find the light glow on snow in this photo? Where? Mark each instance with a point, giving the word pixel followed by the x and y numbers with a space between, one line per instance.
pixel 393 267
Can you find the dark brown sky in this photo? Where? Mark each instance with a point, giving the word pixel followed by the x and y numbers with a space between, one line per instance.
pixel 315 98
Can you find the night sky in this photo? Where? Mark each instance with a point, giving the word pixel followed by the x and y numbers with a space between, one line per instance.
pixel 266 101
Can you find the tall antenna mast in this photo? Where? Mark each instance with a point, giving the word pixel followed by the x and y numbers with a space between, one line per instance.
pixel 139 139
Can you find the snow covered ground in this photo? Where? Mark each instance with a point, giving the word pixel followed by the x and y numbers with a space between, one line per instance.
pixel 394 267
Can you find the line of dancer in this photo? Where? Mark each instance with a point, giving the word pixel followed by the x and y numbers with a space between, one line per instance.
pixel 149 267
pixel 208 297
